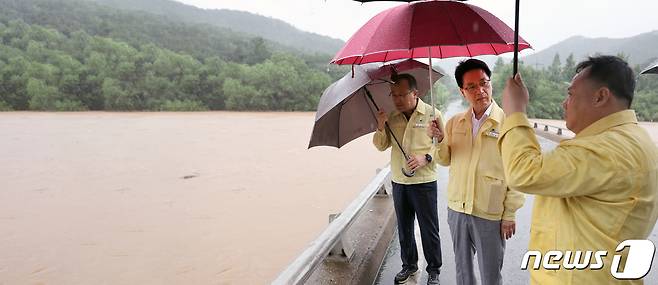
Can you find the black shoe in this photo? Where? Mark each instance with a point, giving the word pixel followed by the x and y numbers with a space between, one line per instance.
pixel 404 275
pixel 433 278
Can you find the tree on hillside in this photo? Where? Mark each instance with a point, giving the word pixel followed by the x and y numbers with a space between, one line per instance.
pixel 79 72
pixel 555 70
pixel 569 69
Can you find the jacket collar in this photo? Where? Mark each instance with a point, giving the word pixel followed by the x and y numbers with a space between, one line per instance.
pixel 421 107
pixel 497 114
pixel 608 122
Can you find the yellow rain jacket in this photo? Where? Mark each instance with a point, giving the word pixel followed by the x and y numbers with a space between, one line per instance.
pixel 592 191
pixel 476 185
pixel 413 137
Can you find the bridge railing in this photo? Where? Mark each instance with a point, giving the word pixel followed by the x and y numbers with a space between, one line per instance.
pixel 558 129
pixel 332 243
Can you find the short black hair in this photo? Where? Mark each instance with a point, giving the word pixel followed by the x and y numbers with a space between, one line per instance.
pixel 411 80
pixel 468 65
pixel 613 72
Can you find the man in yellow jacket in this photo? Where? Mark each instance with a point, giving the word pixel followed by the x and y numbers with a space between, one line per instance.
pixel 593 191
pixel 415 195
pixel 480 205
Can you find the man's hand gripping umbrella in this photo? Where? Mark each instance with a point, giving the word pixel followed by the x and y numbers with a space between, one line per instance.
pixel 383 120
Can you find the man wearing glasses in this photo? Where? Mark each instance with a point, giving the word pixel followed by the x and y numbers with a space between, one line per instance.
pixel 413 195
pixel 480 205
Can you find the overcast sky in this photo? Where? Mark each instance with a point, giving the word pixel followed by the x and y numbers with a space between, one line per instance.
pixel 543 22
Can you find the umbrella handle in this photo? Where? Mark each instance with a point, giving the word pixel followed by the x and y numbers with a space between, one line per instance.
pixel 404 170
pixel 408 174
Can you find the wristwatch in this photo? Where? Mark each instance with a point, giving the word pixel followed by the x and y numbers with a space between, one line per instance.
pixel 428 157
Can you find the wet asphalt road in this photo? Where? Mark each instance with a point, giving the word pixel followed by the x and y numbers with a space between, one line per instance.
pixel 515 248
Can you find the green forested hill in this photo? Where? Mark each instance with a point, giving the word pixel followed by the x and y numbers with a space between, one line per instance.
pixel 74 55
pixel 639 49
pixel 268 28
pixel 68 16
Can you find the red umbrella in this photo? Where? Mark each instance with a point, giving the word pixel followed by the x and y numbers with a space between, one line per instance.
pixel 428 29
pixel 516 34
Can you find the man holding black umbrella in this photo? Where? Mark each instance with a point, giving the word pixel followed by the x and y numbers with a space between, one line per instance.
pixel 594 191
pixel 413 175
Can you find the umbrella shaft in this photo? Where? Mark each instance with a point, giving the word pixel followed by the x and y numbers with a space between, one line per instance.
pixel 387 126
pixel 397 142
pixel 429 49
pixel 516 38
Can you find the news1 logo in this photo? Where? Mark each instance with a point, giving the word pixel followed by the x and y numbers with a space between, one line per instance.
pixel 638 261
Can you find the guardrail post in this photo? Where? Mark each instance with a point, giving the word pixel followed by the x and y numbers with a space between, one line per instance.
pixel 386 189
pixel 342 251
pixel 559 131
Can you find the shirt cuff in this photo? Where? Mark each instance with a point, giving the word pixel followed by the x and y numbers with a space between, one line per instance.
pixel 518 119
pixel 508 216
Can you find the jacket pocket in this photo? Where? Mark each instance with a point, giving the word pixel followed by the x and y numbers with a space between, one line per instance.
pixel 455 185
pixel 458 142
pixel 492 194
pixel 543 239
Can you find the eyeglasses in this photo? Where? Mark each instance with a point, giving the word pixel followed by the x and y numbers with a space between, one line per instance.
pixel 483 84
pixel 400 95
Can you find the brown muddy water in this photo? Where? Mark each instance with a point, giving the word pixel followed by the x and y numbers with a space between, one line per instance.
pixel 167 198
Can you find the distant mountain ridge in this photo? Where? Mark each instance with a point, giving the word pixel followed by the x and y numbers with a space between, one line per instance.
pixel 138 28
pixel 640 49
pixel 239 21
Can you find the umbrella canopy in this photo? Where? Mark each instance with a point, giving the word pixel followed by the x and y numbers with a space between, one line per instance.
pixel 438 29
pixel 653 68
pixel 345 112
pixel 362 1
pixel 408 1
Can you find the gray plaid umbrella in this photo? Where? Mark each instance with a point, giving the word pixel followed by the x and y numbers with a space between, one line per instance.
pixel 345 111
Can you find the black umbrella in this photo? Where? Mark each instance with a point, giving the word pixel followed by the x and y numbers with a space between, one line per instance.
pixel 347 107
pixel 653 68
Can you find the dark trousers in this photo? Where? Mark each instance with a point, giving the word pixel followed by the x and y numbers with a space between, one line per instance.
pixel 418 200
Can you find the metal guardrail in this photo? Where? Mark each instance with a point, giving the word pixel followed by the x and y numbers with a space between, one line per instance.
pixel 330 240
pixel 546 126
